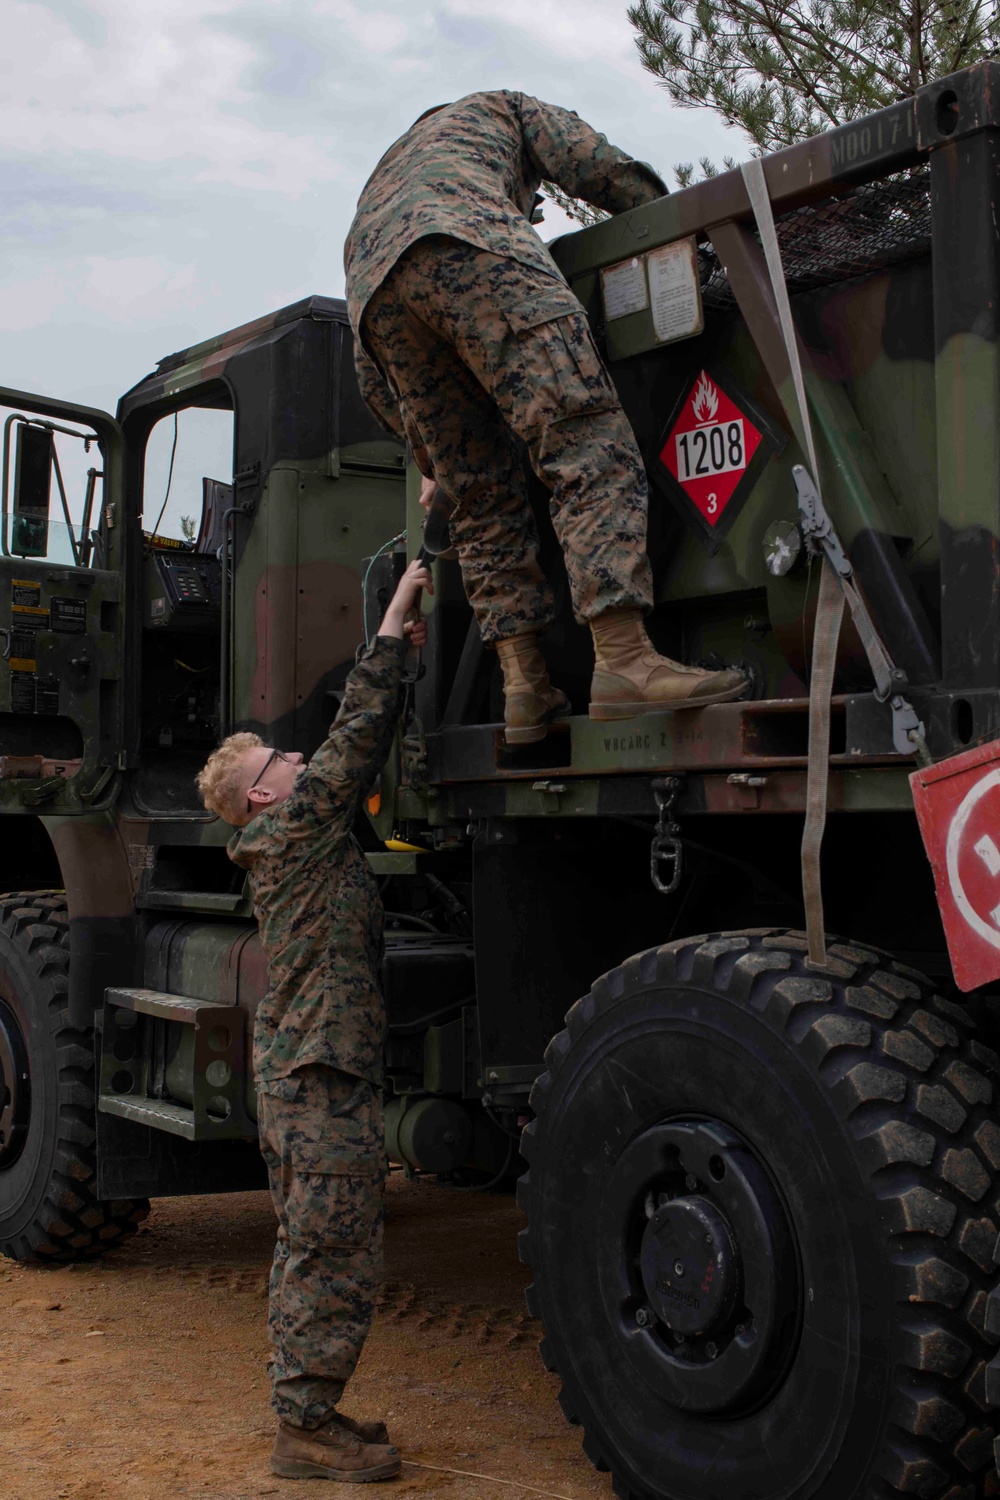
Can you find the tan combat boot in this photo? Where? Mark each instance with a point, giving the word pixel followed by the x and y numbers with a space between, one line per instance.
pixel 631 678
pixel 368 1432
pixel 331 1452
pixel 530 701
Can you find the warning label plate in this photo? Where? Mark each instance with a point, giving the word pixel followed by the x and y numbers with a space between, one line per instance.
pixel 709 447
pixel 624 288
pixel 675 291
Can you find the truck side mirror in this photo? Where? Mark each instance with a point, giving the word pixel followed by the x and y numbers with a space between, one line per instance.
pixel 32 487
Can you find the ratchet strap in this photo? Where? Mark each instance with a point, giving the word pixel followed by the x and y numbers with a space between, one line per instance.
pixel 826 634
pixel 830 606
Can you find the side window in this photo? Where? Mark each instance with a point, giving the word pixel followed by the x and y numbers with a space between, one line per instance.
pixel 187 453
pixel 51 491
pixel 187 489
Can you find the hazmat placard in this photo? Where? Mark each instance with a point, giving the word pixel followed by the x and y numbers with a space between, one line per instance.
pixel 712 450
pixel 709 447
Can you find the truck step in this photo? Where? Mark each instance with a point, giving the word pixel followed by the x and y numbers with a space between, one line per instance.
pixel 222 903
pixel 160 1114
pixel 172 1007
pixel 174 1063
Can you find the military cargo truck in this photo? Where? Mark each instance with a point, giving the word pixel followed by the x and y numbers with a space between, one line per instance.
pixel 764 1181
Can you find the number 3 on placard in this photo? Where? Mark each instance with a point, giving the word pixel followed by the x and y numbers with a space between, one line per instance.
pixel 713 503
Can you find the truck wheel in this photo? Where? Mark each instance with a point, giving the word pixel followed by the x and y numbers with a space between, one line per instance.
pixel 993 1368
pixel 761 1216
pixel 48 1206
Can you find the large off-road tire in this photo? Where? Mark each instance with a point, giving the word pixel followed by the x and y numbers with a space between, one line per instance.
pixel 993 1368
pixel 762 1205
pixel 48 1204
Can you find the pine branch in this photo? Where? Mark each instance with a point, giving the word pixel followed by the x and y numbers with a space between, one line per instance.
pixel 780 70
pixel 575 208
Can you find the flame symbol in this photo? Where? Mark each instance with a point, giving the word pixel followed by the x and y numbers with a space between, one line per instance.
pixel 706 399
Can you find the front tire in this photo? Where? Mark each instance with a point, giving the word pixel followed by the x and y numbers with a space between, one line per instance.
pixel 48 1203
pixel 762 1211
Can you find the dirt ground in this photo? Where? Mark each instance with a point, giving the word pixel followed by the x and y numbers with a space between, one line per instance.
pixel 142 1376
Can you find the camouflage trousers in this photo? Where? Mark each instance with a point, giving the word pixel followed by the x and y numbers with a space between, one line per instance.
pixel 478 349
pixel 322 1137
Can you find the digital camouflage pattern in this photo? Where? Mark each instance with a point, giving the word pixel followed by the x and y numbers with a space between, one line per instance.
pixel 316 902
pixel 480 347
pixel 321 1133
pixel 471 170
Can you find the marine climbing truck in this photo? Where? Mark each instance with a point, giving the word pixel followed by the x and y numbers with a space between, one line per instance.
pixel 763 1182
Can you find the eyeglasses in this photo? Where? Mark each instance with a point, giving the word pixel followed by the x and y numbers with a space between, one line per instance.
pixel 274 755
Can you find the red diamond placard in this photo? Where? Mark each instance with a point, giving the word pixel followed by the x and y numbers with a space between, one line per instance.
pixel 709 447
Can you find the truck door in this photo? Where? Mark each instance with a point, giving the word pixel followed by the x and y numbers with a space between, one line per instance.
pixel 61 605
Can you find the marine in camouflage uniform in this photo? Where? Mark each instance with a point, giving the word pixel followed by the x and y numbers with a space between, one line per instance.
pixel 467 334
pixel 318 1045
pixel 467 338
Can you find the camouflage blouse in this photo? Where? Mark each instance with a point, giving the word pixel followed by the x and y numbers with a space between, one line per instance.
pixel 471 170
pixel 316 902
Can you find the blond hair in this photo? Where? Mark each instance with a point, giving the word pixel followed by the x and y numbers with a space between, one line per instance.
pixel 224 780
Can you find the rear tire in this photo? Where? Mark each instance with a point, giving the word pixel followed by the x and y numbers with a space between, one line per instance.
pixel 48 1202
pixel 828 1135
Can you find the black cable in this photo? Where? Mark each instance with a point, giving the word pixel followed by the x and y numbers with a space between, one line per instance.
pixel 421 923
pixel 483 1187
pixel 516 1138
pixel 170 479
pixel 410 1028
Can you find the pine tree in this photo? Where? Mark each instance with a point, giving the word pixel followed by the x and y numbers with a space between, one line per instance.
pixel 780 70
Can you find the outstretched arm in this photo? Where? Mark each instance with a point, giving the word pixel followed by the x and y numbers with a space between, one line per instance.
pixel 344 767
pixel 567 151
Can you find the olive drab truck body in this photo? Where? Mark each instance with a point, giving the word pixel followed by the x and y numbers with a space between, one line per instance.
pixel 763 1185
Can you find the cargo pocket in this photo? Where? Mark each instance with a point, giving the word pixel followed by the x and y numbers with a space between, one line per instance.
pixel 336 1200
pixel 274 1095
pixel 287 1089
pixel 553 370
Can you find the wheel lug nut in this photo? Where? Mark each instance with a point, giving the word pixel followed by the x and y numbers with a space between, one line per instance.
pixel 711 1350
pixel 644 1317
pixel 678 1268
pixel 690 1182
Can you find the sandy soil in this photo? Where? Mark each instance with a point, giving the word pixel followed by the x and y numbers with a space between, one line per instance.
pixel 142 1377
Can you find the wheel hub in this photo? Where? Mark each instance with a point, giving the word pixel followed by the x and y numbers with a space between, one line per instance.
pixel 690 1265
pixel 15 1088
pixel 699 1267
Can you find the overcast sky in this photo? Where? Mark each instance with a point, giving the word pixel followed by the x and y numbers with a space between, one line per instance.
pixel 172 168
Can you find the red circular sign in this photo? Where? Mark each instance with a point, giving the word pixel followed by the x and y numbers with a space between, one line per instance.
pixel 972 851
